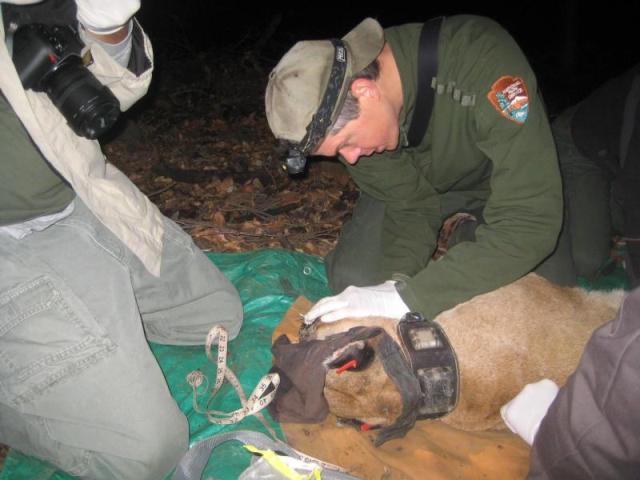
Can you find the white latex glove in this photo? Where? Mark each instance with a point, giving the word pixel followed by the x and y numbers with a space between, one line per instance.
pixel 105 16
pixel 524 413
pixel 379 300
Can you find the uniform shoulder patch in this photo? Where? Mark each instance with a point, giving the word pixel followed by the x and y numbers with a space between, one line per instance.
pixel 510 98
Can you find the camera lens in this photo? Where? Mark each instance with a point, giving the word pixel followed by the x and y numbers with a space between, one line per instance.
pixel 89 107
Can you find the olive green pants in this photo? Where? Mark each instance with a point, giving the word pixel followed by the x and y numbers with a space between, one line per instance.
pixel 592 207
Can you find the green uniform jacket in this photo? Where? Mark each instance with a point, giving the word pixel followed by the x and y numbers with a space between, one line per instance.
pixel 29 186
pixel 471 156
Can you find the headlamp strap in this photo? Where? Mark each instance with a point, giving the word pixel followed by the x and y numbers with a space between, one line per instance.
pixel 321 120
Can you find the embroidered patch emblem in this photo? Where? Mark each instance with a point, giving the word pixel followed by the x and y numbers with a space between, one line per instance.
pixel 510 98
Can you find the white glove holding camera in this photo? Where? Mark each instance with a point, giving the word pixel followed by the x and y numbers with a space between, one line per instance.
pixel 524 413
pixel 379 300
pixel 103 17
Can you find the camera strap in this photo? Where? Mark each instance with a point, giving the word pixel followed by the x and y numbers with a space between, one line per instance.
pixel 427 70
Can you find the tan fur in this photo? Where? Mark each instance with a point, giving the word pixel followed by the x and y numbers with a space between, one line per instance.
pixel 518 334
pixel 343 390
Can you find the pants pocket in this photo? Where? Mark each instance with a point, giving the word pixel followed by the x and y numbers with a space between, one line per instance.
pixel 46 337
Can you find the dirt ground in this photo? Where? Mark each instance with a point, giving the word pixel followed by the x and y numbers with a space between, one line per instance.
pixel 201 149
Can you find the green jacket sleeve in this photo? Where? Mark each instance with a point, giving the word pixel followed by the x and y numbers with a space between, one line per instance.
pixel 523 213
pixel 412 210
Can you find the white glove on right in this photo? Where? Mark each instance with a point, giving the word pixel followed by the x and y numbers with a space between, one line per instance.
pixel 524 413
pixel 105 16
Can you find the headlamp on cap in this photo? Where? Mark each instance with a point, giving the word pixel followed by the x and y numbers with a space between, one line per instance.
pixel 295 162
pixel 296 159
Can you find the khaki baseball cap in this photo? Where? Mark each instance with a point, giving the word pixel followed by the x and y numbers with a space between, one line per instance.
pixel 298 83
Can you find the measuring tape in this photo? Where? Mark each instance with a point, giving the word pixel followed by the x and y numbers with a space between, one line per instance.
pixel 257 400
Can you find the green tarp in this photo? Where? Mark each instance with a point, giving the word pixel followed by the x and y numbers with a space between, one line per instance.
pixel 268 281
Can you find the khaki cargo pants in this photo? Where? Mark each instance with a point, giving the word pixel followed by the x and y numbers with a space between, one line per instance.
pixel 79 386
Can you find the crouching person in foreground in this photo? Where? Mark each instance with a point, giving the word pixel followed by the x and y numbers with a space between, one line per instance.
pixel 485 151
pixel 89 265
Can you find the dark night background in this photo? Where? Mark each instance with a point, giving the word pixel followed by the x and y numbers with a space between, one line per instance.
pixel 572 46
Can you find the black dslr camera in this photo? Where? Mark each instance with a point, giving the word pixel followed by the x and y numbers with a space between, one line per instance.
pixel 47 59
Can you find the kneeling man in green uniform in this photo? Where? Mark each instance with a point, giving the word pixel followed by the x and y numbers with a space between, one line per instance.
pixel 486 152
